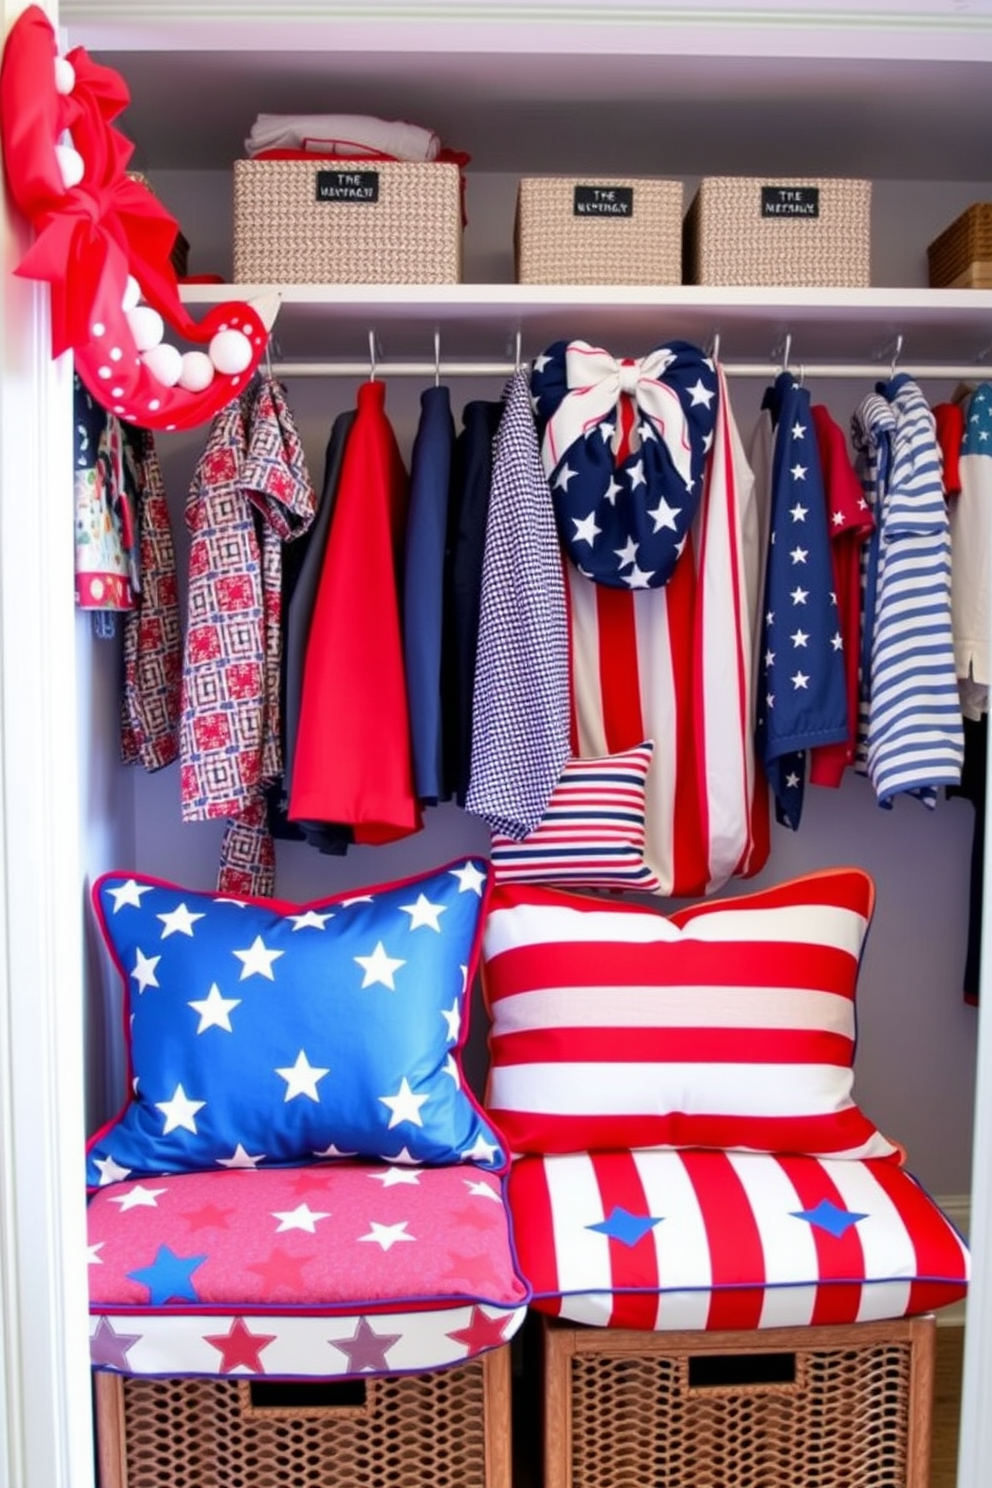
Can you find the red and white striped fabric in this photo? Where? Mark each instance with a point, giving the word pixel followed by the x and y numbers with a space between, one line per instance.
pixel 674 664
pixel 592 833
pixel 727 1025
pixel 670 1240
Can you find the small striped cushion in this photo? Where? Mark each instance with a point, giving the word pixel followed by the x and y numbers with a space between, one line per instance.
pixel 670 1240
pixel 592 833
pixel 730 1024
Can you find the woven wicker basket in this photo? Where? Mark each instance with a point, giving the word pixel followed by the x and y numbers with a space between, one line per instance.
pixel 834 1407
pixel 961 257
pixel 586 230
pixel 410 1431
pixel 755 230
pixel 334 222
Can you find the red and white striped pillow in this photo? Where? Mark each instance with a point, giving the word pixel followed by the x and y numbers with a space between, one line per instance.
pixel 592 832
pixel 670 1240
pixel 730 1024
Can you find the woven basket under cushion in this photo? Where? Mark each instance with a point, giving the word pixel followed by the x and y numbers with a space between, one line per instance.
pixel 412 1431
pixel 283 234
pixel 774 1408
pixel 556 246
pixel 728 241
pixel 961 257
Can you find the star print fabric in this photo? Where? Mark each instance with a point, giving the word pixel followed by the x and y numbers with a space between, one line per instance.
pixel 802 688
pixel 623 518
pixel 345 1243
pixel 264 1033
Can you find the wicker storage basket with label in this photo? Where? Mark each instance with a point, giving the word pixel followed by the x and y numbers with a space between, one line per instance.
pixel 756 230
pixel 961 257
pixel 347 222
pixel 588 230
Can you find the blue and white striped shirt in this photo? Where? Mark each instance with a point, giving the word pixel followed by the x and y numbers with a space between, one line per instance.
pixel 911 736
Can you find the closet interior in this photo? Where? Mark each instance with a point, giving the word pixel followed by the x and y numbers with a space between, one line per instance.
pixel 899 95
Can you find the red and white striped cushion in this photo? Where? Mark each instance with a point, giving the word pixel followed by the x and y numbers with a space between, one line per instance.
pixel 727 1025
pixel 670 1240
pixel 592 832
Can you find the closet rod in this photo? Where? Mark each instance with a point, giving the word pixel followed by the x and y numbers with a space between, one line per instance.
pixel 957 371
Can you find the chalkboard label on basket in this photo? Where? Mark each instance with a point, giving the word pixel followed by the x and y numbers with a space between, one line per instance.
pixel 603 201
pixel 790 201
pixel 348 186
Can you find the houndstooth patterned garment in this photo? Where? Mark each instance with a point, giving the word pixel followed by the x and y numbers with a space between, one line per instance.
pixel 251 479
pixel 521 709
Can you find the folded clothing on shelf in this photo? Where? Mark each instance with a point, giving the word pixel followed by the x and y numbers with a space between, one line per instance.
pixel 350 136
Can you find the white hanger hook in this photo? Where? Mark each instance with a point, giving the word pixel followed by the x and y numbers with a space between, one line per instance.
pixel 896 354
pixel 437 358
pixel 371 356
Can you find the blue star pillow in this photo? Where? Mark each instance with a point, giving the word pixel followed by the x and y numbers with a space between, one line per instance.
pixel 262 1033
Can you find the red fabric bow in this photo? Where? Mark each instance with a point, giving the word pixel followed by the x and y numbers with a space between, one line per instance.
pixel 90 237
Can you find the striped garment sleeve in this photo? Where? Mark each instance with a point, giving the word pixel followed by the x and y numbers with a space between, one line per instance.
pixel 914 741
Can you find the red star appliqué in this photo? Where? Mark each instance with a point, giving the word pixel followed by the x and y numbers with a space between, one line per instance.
pixel 477 1270
pixel 311 1178
pixel 281 1270
pixel 207 1217
pixel 240 1348
pixel 482 1332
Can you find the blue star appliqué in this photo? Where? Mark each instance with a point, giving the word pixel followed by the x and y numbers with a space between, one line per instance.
pixel 168 1277
pixel 827 1216
pixel 628 1228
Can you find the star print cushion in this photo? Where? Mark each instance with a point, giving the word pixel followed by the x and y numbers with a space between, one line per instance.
pixel 730 1024
pixel 268 1033
pixel 327 1270
pixel 592 831
pixel 670 1240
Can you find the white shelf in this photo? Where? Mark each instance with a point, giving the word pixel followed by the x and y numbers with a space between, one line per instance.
pixel 482 320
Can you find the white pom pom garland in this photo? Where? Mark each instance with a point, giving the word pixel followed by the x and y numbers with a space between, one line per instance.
pixel 65 76
pixel 230 352
pixel 147 327
pixel 164 362
pixel 132 294
pixel 197 371
pixel 71 165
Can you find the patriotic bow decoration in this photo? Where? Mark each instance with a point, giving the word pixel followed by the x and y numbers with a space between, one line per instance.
pixel 103 243
pixel 624 521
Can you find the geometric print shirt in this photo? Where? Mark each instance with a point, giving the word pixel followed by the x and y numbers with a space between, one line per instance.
pixel 251 492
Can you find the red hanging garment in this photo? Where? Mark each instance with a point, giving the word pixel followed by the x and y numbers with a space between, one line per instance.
pixel 353 759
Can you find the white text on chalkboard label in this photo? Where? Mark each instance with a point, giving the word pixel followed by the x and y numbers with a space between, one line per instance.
pixel 790 201
pixel 348 186
pixel 603 201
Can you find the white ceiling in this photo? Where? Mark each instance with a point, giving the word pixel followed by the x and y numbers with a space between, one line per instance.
pixel 649 114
